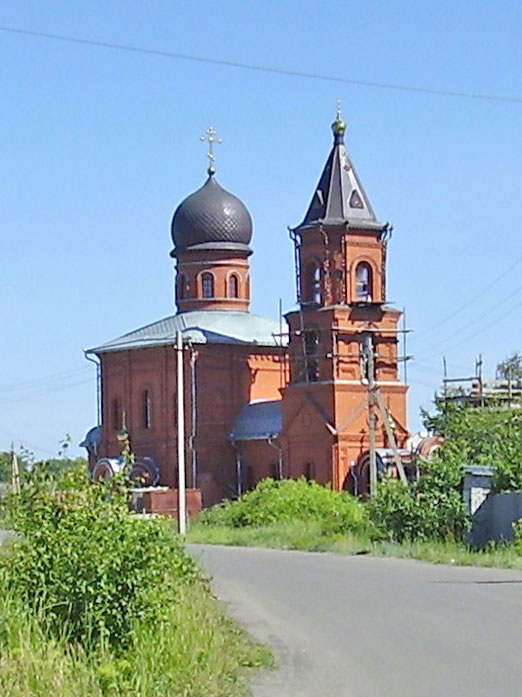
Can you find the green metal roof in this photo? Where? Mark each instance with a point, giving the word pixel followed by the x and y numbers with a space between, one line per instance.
pixel 200 327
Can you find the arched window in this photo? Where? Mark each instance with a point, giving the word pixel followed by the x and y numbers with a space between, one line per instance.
pixel 146 405
pixel 207 285
pixel 313 283
pixel 363 282
pixel 182 287
pixel 233 286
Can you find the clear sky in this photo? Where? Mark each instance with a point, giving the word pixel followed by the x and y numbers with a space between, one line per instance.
pixel 99 145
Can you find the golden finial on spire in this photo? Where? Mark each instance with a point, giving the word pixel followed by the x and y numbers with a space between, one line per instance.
pixel 211 137
pixel 339 126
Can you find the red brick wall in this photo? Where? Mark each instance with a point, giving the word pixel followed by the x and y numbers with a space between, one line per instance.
pixel 228 376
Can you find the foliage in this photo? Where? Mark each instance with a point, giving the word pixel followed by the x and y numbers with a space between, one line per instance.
pixel 27 461
pixel 86 566
pixel 290 500
pixel 5 465
pixel 309 535
pixel 192 650
pixel 489 436
pixel 511 367
pixel 431 509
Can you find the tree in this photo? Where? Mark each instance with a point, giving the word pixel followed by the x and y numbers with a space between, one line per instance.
pixel 6 462
pixel 511 367
pixel 5 466
pixel 490 435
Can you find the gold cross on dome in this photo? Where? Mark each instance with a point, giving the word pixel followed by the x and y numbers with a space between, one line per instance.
pixel 211 137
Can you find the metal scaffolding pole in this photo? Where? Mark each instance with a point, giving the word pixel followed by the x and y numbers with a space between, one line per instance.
pixel 182 515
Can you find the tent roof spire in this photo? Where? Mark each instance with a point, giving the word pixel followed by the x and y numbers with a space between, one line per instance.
pixel 339 198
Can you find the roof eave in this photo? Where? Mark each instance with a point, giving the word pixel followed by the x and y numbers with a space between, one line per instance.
pixel 336 222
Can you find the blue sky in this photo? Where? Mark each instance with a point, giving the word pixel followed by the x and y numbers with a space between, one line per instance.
pixel 100 145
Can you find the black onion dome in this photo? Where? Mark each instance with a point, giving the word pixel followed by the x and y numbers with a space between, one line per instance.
pixel 211 215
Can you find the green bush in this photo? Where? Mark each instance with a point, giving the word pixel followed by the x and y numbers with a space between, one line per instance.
pixel 87 567
pixel 430 509
pixel 191 650
pixel 489 436
pixel 275 501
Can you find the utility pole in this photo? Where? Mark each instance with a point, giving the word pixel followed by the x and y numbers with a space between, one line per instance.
pixel 15 472
pixel 182 516
pixel 372 418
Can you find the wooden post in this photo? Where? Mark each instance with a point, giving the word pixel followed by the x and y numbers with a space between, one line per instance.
pixel 370 367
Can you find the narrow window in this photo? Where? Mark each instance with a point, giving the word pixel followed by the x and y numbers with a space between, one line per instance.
pixel 116 415
pixel 182 287
pixel 147 409
pixel 309 471
pixel 233 286
pixel 363 282
pixel 313 283
pixel 207 284
pixel 311 347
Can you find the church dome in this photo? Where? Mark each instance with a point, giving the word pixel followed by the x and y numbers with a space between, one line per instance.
pixel 211 215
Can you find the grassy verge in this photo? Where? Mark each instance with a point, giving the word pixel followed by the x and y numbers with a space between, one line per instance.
pixel 196 652
pixel 308 536
pixel 98 602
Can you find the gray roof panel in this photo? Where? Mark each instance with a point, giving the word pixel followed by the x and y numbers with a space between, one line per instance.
pixel 258 421
pixel 200 327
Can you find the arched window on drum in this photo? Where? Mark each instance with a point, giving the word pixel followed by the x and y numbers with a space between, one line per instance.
pixel 233 286
pixel 207 285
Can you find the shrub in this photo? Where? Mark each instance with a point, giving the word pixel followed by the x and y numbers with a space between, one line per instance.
pixel 430 509
pixel 86 566
pixel 274 501
pixel 489 435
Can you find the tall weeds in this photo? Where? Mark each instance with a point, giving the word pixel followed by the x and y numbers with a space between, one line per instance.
pixel 97 602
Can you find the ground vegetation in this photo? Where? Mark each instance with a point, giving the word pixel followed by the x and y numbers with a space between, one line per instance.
pixel 96 601
pixel 428 519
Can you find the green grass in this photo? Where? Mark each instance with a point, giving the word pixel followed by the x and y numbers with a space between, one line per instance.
pixel 195 652
pixel 97 602
pixel 309 536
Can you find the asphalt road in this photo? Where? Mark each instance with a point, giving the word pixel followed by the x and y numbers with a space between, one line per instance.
pixel 369 627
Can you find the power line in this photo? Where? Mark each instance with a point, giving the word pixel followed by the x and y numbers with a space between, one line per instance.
pixel 262 68
pixel 472 322
pixel 49 380
pixel 24 442
pixel 479 331
pixel 470 301
pixel 44 391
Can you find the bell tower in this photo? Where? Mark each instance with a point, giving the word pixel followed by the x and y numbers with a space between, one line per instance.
pixel 340 258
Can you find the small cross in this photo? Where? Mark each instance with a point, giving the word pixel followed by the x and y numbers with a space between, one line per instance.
pixel 339 105
pixel 211 137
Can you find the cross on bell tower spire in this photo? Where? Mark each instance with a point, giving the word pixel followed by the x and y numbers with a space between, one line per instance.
pixel 211 137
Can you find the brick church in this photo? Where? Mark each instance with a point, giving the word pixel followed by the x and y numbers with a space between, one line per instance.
pixel 260 401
